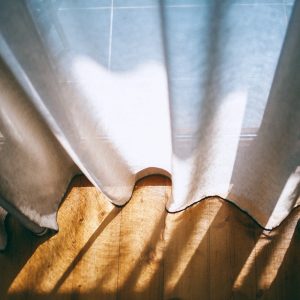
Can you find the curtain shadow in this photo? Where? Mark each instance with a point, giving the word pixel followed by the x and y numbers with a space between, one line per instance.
pixel 216 261
pixel 148 256
pixel 84 249
pixel 275 262
pixel 20 247
pixel 244 261
pixel 145 278
pixel 288 271
pixel 22 244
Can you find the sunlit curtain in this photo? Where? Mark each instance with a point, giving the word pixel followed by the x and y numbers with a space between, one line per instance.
pixel 206 92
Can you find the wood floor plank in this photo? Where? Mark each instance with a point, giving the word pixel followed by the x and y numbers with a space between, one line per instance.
pixel 82 259
pixel 243 237
pixel 141 241
pixel 186 247
pixel 220 258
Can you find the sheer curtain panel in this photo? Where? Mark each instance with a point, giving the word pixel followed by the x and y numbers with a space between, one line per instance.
pixel 205 92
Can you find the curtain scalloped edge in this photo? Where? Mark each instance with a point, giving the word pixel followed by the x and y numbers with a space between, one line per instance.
pixel 139 176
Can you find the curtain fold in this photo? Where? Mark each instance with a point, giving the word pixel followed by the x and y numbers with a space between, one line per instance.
pixel 205 92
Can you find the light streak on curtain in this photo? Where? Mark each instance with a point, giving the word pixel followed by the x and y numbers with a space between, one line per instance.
pixel 206 92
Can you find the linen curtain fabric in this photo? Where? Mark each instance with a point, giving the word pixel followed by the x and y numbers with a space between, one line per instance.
pixel 206 92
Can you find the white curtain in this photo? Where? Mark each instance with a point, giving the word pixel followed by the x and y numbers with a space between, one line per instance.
pixel 206 92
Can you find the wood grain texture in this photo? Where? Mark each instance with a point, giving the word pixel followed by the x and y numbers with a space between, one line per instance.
pixel 212 250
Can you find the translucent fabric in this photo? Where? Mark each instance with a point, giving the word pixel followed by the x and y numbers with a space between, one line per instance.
pixel 206 92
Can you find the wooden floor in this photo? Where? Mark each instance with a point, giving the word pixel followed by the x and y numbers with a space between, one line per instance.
pixel 210 251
